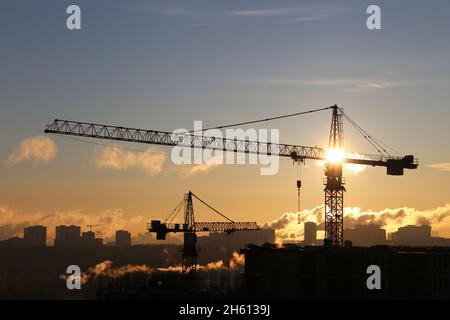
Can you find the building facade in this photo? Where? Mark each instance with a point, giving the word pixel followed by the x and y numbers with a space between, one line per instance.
pixel 35 236
pixel 123 239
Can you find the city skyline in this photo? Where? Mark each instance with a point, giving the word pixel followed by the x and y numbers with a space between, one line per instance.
pixel 364 235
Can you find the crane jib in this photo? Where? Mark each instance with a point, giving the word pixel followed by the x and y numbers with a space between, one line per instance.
pixel 394 165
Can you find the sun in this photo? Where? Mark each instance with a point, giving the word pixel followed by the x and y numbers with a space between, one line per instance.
pixel 334 155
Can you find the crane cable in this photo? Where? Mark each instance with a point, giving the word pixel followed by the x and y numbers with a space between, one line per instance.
pixel 261 120
pixel 376 143
pixel 224 216
pixel 299 184
pixel 365 135
pixel 104 145
pixel 176 211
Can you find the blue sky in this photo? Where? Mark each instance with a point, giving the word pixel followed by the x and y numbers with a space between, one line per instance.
pixel 164 64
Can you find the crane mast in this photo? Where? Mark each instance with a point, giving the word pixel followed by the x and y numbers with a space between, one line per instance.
pixel 334 186
pixel 190 252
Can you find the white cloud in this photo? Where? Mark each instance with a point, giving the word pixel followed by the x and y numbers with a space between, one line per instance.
pixel 353 85
pixel 120 159
pixel 263 13
pixel 38 149
pixel 294 13
pixel 190 170
pixel 107 221
pixel 442 166
pixel 289 226
pixel 152 162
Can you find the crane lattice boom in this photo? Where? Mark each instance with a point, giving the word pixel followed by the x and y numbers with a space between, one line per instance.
pixel 109 132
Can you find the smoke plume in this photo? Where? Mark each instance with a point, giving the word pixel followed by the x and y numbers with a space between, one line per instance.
pixel 236 262
pixel 106 269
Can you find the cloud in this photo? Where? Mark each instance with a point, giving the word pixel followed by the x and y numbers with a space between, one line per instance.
pixel 38 149
pixel 186 171
pixel 442 166
pixel 295 14
pixel 306 19
pixel 152 162
pixel 108 221
pixel 120 159
pixel 353 85
pixel 263 13
pixel 289 226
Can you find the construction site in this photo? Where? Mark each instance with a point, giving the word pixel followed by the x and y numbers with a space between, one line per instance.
pixel 258 150
pixel 333 269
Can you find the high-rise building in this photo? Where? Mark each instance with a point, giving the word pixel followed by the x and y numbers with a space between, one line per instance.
pixel 35 236
pixel 14 242
pixel 88 239
pixel 310 233
pixel 123 238
pixel 412 235
pixel 68 236
pixel 366 235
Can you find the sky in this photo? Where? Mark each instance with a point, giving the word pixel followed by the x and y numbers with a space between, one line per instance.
pixel 163 64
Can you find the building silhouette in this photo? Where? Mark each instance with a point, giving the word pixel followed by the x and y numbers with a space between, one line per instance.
pixel 67 236
pixel 236 240
pixel 295 272
pixel 310 232
pixel 35 236
pixel 14 242
pixel 366 235
pixel 412 235
pixel 88 240
pixel 123 239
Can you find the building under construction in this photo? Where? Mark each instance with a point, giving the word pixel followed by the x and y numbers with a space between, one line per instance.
pixel 294 272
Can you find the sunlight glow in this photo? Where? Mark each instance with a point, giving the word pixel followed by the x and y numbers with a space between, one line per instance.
pixel 334 155
pixel 354 168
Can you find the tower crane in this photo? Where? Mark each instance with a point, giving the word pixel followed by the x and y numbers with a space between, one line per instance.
pixel 190 228
pixel 90 226
pixel 333 157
